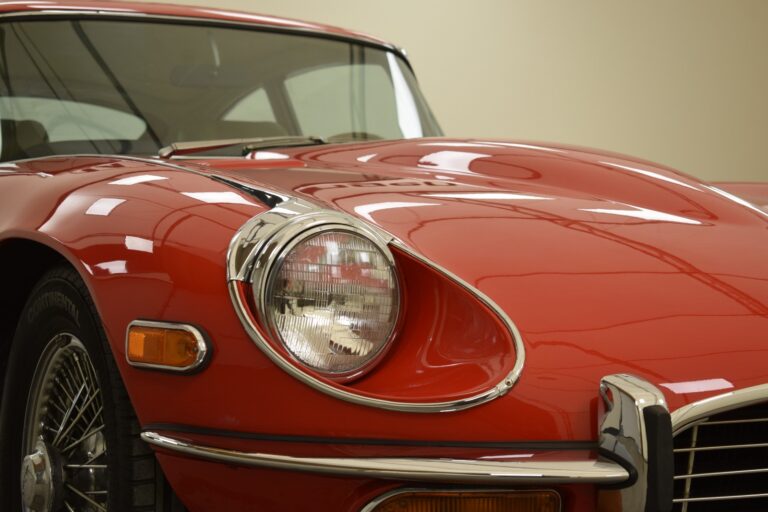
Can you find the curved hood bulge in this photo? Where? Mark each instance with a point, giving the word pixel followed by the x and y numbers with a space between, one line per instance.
pixel 605 264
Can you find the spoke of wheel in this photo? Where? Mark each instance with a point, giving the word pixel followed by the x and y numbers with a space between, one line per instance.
pixel 61 404
pixel 77 418
pixel 94 458
pixel 73 380
pixel 90 424
pixel 53 421
pixel 72 377
pixel 55 400
pixel 93 413
pixel 88 380
pixel 86 497
pixel 68 414
pixel 58 408
pixel 86 436
pixel 78 376
pixel 62 392
pixel 67 376
pixel 63 387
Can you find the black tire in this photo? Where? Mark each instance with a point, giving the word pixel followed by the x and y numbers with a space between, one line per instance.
pixel 60 308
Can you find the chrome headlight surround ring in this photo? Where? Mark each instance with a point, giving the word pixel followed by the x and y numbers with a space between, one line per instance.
pixel 259 244
pixel 268 262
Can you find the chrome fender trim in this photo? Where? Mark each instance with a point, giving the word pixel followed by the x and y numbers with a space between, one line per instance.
pixel 411 469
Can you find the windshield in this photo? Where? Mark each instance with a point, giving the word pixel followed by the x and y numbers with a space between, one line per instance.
pixel 119 87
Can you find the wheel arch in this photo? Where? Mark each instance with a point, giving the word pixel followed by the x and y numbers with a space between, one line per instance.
pixel 24 264
pixel 23 261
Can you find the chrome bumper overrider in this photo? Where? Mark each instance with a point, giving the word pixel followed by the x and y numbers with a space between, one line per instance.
pixel 412 469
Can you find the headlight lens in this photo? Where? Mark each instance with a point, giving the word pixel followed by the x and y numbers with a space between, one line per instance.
pixel 333 300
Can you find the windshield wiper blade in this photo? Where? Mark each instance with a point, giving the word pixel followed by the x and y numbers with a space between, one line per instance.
pixel 197 146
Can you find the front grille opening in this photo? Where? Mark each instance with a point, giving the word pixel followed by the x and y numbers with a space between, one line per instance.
pixel 721 464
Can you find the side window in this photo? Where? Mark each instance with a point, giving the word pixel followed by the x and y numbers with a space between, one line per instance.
pixel 344 99
pixel 252 108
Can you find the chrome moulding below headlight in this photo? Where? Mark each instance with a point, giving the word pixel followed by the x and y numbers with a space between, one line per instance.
pixel 458 471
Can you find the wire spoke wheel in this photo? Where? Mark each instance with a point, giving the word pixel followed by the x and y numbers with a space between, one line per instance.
pixel 64 445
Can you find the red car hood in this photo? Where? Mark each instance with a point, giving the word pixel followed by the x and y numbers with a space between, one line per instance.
pixel 606 264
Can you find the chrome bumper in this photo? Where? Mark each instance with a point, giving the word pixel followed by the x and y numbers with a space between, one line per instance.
pixel 412 469
pixel 635 444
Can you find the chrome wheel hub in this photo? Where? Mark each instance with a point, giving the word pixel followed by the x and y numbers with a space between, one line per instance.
pixel 65 467
pixel 37 480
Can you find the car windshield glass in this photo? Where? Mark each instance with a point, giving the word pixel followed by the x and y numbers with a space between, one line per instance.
pixel 126 87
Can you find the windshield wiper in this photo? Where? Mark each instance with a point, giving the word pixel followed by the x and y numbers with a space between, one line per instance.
pixel 198 146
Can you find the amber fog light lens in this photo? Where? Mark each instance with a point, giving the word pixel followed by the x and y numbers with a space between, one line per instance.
pixel 164 347
pixel 333 300
pixel 523 501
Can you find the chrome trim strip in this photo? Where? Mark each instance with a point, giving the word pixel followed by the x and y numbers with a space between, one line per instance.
pixel 688 415
pixel 623 430
pixel 734 422
pixel 722 473
pixel 411 469
pixel 371 506
pixel 722 498
pixel 257 245
pixel 720 447
pixel 254 25
pixel 202 346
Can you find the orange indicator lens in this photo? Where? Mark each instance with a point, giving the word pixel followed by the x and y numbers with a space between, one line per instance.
pixel 524 501
pixel 173 348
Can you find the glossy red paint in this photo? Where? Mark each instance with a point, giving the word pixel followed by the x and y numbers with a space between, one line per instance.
pixel 606 264
pixel 659 270
pixel 755 193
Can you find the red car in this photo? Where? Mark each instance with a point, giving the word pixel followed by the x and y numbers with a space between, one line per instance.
pixel 243 270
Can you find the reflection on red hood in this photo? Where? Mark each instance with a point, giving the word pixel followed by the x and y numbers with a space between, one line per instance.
pixel 606 264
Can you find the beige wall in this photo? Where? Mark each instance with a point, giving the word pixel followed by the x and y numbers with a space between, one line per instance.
pixel 681 82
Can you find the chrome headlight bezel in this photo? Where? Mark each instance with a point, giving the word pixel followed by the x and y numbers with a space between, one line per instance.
pixel 260 240
pixel 259 249
pixel 268 264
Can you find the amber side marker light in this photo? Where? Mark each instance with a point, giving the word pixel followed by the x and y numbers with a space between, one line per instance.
pixel 165 346
pixel 470 501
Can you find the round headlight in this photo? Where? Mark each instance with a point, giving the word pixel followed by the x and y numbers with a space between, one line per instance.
pixel 332 298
